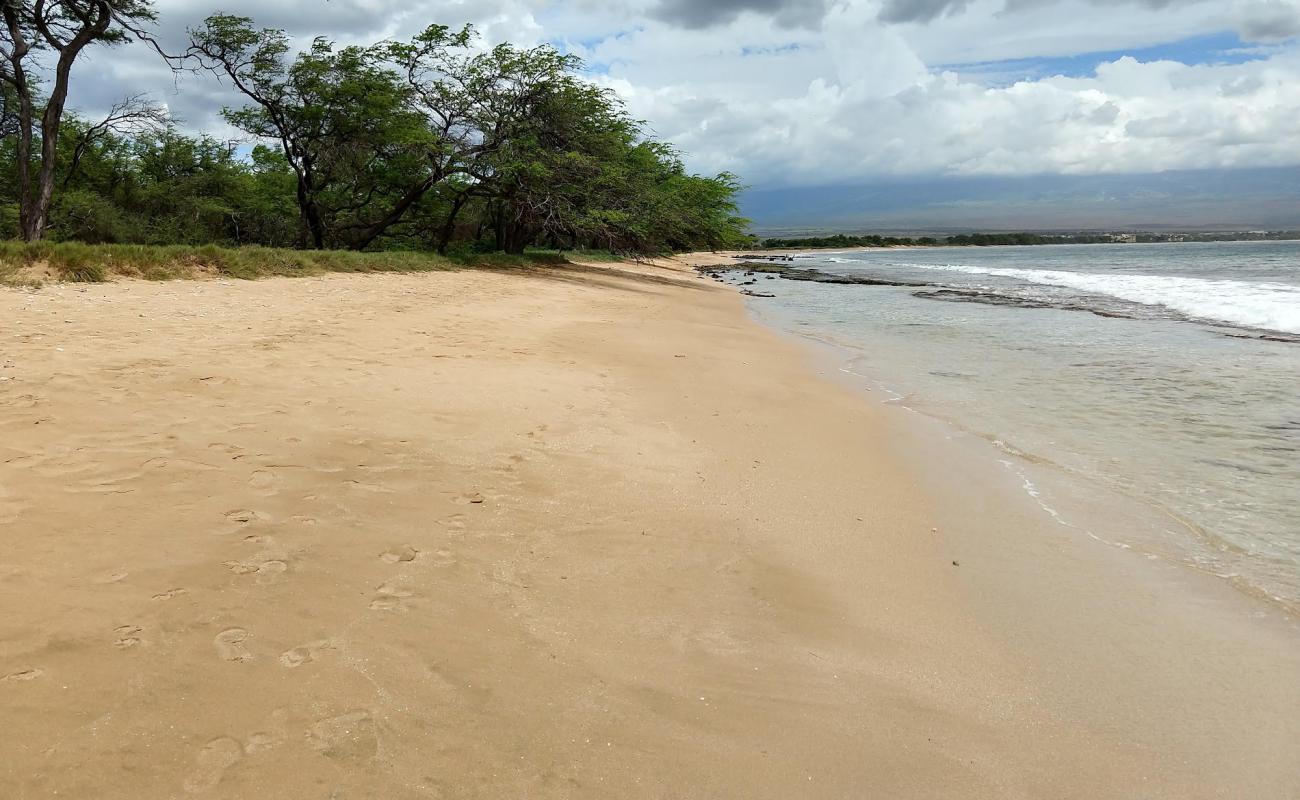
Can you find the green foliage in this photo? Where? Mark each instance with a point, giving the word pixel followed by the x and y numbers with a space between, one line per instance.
pixel 839 240
pixel 8 220
pixel 432 144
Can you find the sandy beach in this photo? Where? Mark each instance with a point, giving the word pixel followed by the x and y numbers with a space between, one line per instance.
pixel 583 532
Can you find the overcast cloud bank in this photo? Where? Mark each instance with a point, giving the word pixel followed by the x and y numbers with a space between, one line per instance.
pixel 798 92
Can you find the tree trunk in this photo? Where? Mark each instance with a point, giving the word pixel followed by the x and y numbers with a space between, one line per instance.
pixel 311 221
pixel 23 90
pixel 34 212
pixel 516 238
pixel 449 227
pixel 399 209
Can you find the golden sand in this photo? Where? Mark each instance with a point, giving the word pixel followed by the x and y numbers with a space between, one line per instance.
pixel 570 533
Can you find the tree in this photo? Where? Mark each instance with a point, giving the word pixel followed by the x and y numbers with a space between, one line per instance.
pixel 133 115
pixel 343 119
pixel 423 143
pixel 62 28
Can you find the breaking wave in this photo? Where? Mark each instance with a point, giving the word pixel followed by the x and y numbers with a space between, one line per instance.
pixel 1266 306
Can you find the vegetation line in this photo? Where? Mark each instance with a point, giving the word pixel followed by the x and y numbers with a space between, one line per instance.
pixel 23 264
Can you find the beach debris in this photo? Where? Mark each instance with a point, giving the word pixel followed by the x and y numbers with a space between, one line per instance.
pixel 955 564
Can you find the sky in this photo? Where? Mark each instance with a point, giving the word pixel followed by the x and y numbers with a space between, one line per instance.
pixel 797 93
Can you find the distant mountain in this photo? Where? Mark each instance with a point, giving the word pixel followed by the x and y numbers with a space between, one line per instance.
pixel 1244 199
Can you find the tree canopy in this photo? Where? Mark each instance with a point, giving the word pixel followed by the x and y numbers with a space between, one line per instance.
pixel 434 142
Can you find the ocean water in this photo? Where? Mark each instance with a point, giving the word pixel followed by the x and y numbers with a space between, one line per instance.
pixel 1168 373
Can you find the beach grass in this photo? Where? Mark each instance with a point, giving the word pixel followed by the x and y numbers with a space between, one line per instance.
pixel 33 264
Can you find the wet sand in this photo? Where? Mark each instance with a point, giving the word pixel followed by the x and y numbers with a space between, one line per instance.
pixel 572 533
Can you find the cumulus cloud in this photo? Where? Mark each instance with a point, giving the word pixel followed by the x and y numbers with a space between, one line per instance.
pixel 708 13
pixel 899 11
pixel 919 10
pixel 1267 20
pixel 858 101
pixel 1128 118
pixel 832 94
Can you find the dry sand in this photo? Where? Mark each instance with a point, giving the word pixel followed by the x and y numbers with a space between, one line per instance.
pixel 578 533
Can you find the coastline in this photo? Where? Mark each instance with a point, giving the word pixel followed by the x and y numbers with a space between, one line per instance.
pixel 579 532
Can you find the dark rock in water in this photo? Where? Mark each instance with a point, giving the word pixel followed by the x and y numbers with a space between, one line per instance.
pixel 994 299
pixel 748 293
pixel 1265 337
pixel 815 275
pixel 987 298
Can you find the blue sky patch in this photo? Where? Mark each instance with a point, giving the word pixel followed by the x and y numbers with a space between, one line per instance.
pixel 1217 48
pixel 792 47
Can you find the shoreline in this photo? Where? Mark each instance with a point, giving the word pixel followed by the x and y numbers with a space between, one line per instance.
pixel 834 356
pixel 547 533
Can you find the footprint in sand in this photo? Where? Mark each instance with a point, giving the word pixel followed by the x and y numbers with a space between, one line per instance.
pixel 537 432
pixel 264 481
pixel 261 741
pixel 230 645
pixel 128 636
pixel 22 676
pixel 171 594
pixel 511 465
pixel 263 569
pixel 370 487
pixel 301 655
pixel 244 516
pixel 352 736
pixel 402 554
pixel 441 558
pixel 214 759
pixel 391 598
pixel 456 522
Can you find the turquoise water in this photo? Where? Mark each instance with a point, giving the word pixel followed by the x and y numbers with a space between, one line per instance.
pixel 1170 373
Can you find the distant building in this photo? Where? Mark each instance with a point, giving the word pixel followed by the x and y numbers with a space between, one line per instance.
pixel 1124 238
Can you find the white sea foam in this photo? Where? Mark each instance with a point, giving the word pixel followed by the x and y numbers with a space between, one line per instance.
pixel 1271 306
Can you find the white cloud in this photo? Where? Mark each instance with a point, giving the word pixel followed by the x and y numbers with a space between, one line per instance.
pixel 757 88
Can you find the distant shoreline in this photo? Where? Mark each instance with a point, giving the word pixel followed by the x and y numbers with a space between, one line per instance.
pixel 1020 239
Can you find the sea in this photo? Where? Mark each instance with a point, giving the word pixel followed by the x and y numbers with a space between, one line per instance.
pixel 1168 374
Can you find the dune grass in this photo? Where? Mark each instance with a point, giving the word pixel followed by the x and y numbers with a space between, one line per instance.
pixel 33 264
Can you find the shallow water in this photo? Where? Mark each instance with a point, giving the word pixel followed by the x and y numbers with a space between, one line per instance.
pixel 1138 367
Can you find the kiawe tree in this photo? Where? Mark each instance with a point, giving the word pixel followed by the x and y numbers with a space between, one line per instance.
pixel 361 153
pixel 60 31
pixel 394 145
